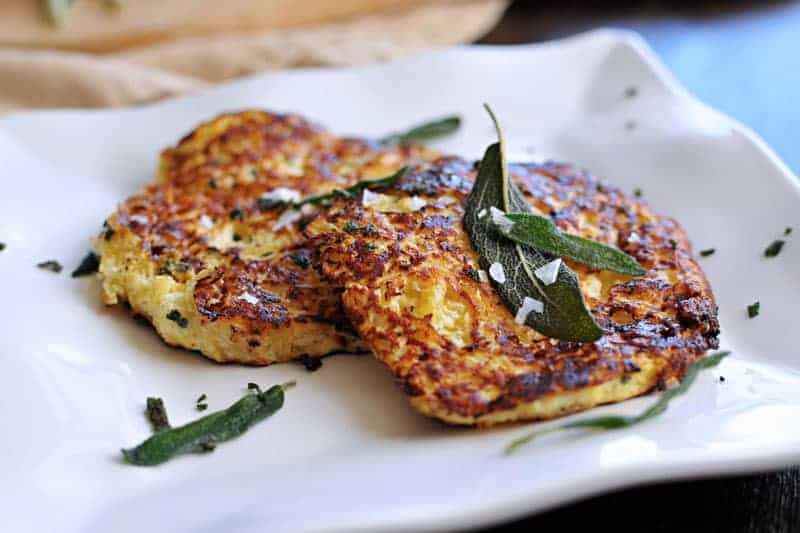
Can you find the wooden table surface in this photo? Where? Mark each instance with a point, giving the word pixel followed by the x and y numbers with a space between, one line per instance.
pixel 743 58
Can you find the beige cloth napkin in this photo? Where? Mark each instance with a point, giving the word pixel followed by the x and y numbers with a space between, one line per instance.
pixel 45 78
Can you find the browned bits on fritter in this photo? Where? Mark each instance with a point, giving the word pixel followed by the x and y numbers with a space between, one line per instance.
pixel 453 345
pixel 199 239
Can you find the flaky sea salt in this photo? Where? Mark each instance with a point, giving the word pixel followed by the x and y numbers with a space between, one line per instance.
pixel 371 199
pixel 501 220
pixel 282 195
pixel 497 273
pixel 528 304
pixel 548 272
pixel 249 298
pixel 287 218
pixel 206 221
pixel 415 203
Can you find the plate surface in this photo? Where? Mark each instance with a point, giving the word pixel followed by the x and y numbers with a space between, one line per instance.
pixel 346 453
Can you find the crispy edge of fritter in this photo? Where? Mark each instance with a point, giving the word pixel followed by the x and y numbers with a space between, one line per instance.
pixel 129 275
pixel 557 404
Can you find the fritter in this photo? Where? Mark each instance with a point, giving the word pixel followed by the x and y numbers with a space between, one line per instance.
pixel 413 291
pixel 204 255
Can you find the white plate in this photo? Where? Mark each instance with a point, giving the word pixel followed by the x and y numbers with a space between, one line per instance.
pixel 346 453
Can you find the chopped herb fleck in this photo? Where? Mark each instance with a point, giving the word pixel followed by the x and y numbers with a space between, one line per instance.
pixel 787 231
pixel 637 192
pixel 369 229
pixel 236 213
pixel 253 386
pixel 471 272
pixel 176 317
pixel 212 184
pixel 51 265
pixel 753 309
pixel 200 403
pixel 237 237
pixel 180 266
pixel 265 204
pixel 157 414
pixel 625 379
pixel 109 231
pixel 774 248
pixel 300 260
pixel 254 172
pixel 673 243
pixel 707 252
pixel 89 265
pixel 312 364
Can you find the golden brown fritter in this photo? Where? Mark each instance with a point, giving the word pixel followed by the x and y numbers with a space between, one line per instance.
pixel 412 291
pixel 203 256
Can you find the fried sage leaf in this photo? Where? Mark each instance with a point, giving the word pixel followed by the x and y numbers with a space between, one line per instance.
pixel 425 132
pixel 540 233
pixel 89 265
pixel 204 434
pixel 353 190
pixel 618 422
pixel 565 315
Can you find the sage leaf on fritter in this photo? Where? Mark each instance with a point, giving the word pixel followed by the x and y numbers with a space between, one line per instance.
pixel 564 315
pixel 540 233
pixel 353 190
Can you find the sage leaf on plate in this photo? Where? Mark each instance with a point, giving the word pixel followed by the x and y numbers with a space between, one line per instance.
pixel 424 132
pixel 564 315
pixel 205 433
pixel 618 422
pixel 539 232
pixel 353 190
